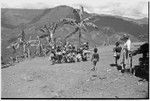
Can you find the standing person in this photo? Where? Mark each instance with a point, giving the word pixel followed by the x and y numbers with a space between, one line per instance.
pixel 117 51
pixel 127 49
pixel 95 58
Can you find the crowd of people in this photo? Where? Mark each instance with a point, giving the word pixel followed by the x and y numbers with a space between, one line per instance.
pixel 69 53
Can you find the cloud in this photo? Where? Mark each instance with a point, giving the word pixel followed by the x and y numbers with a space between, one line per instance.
pixel 128 8
pixel 40 5
pixel 132 9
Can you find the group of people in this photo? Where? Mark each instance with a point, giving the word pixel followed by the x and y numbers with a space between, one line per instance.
pixel 125 51
pixel 69 53
pixel 140 70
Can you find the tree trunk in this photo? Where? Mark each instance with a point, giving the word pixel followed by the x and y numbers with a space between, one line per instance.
pixel 54 43
pixel 24 49
pixel 41 50
pixel 28 52
pixel 51 37
pixel 79 37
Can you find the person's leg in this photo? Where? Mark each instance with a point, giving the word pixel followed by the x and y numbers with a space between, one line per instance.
pixel 130 62
pixel 116 60
pixel 124 59
pixel 94 64
pixel 127 57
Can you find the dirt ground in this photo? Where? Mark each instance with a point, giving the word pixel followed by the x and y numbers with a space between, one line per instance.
pixel 37 78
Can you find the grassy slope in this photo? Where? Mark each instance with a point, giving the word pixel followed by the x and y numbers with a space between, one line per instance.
pixel 37 78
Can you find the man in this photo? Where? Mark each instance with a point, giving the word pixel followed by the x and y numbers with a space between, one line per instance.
pixel 127 49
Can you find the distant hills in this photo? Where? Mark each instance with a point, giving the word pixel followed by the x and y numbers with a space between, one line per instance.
pixel 110 30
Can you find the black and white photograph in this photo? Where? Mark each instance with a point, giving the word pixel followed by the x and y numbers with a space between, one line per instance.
pixel 75 49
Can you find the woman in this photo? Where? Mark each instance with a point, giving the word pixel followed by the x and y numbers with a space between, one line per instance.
pixel 117 51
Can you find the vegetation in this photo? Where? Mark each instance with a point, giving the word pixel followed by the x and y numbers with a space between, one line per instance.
pixel 80 24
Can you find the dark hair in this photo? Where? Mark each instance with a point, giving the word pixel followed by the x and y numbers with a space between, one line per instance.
pixel 95 50
pixel 117 43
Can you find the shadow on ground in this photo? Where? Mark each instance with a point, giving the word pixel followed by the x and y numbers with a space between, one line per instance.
pixel 138 73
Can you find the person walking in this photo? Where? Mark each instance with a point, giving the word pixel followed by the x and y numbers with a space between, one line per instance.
pixel 95 58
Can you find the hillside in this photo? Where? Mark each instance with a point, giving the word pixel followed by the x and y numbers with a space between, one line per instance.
pixel 12 18
pixel 110 30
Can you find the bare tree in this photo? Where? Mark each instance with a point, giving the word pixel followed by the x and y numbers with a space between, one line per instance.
pixel 49 30
pixel 79 23
pixel 14 46
pixel 35 43
pixel 22 41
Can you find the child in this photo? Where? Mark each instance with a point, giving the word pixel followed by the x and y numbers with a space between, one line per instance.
pixel 78 55
pixel 117 52
pixel 95 58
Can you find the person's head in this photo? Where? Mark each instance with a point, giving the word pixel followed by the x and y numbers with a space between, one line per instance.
pixel 117 43
pixel 125 36
pixel 95 50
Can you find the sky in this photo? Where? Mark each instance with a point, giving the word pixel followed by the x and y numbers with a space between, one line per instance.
pixel 128 8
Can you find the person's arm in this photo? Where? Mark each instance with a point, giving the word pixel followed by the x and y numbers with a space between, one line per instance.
pixel 98 57
pixel 114 49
